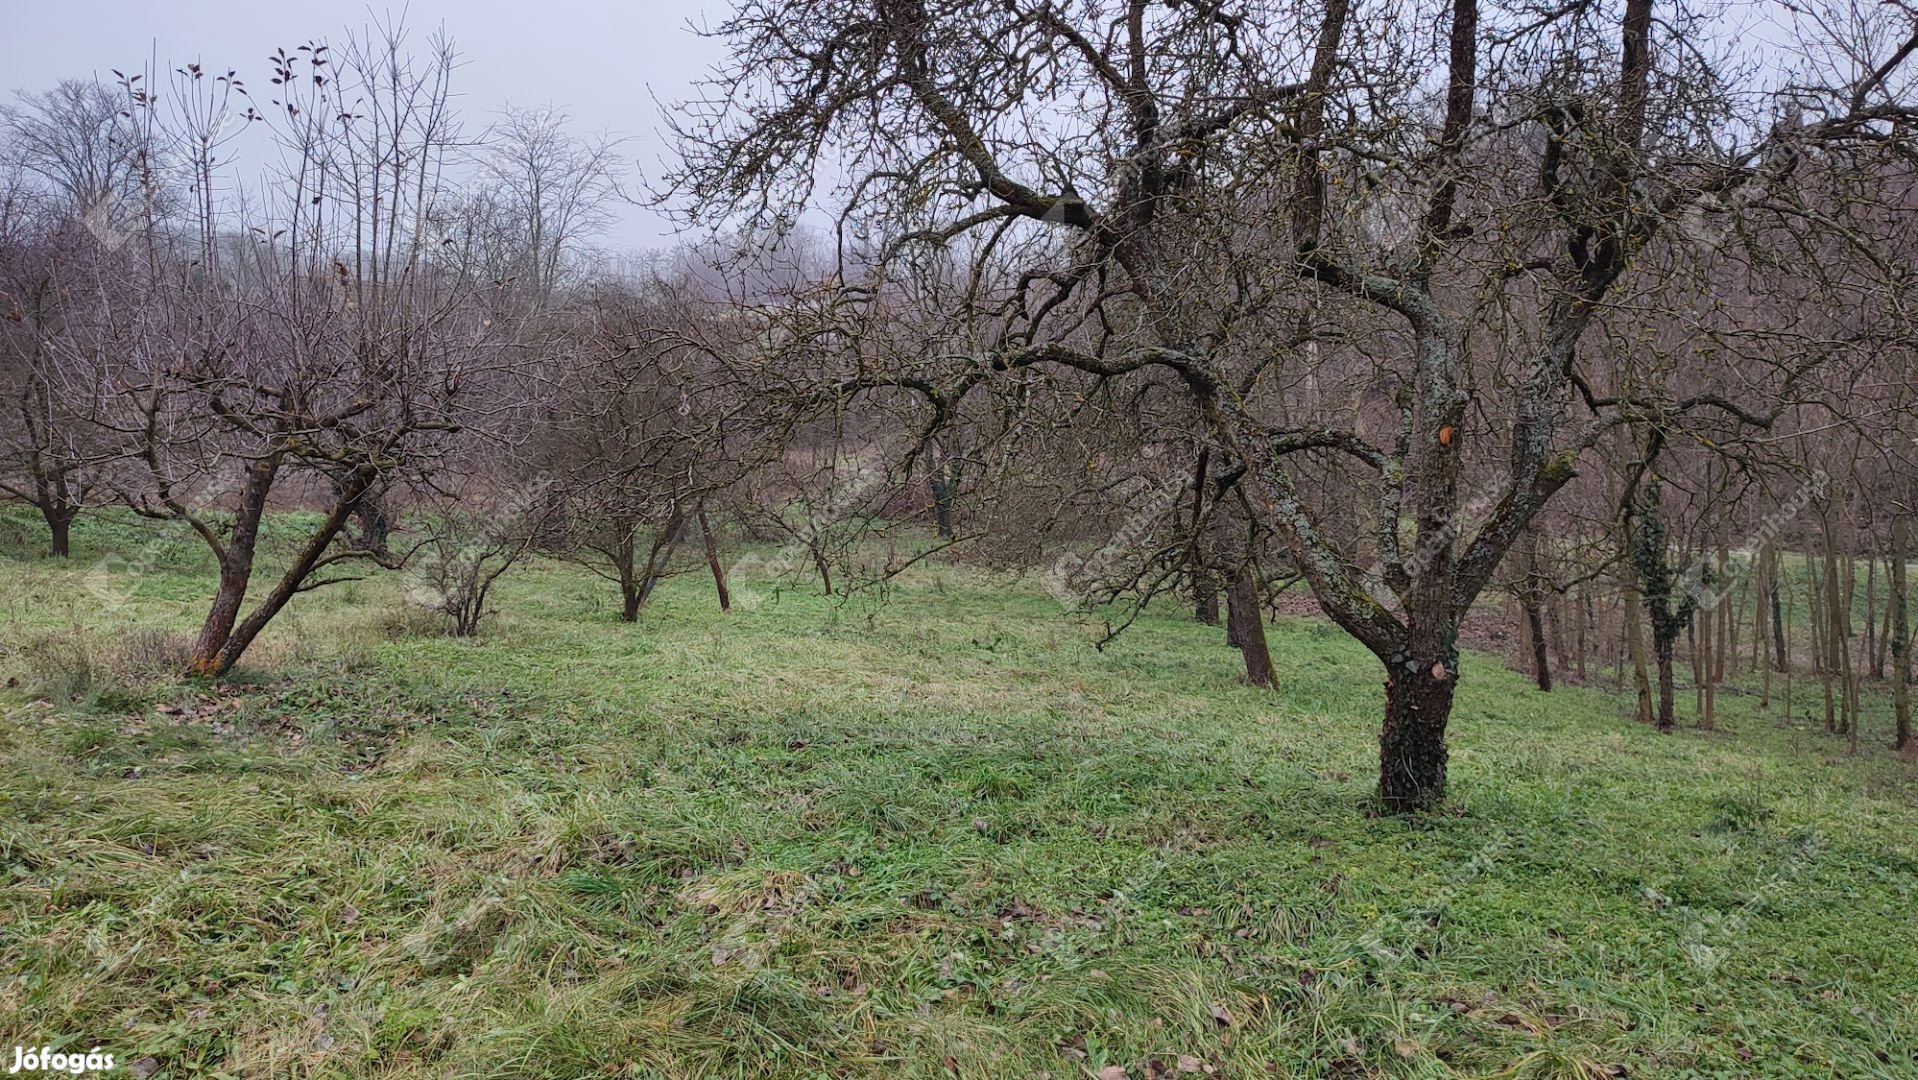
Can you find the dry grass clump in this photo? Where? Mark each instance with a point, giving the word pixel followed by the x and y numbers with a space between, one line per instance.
pixel 74 664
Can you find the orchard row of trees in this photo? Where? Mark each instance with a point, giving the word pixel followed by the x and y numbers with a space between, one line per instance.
pixel 1590 305
pixel 401 328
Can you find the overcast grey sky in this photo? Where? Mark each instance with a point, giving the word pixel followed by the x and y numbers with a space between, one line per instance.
pixel 604 62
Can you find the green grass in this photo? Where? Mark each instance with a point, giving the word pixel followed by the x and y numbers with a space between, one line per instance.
pixel 940 836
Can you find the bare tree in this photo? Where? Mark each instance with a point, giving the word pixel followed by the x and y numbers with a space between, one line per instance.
pixel 75 177
pixel 77 143
pixel 320 351
pixel 47 447
pixel 646 423
pixel 543 192
pixel 1481 234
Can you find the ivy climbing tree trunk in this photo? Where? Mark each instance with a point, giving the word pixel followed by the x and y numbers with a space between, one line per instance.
pixel 1670 615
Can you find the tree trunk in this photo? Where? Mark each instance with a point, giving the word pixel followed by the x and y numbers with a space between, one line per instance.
pixel 625 564
pixel 1883 655
pixel 1205 596
pixel 1781 656
pixel 1791 607
pixel 661 555
pixel 58 500
pixel 1635 645
pixel 1412 754
pixel 1671 614
pixel 824 566
pixel 1587 628
pixel 1848 671
pixel 292 581
pixel 941 506
pixel 942 479
pixel 1205 585
pixel 1761 640
pixel 1725 651
pixel 1664 647
pixel 1248 628
pixel 712 559
pixel 1900 637
pixel 1532 599
pixel 942 510
pixel 1820 633
pixel 228 595
pixel 236 569
pixel 1704 664
pixel 1691 651
pixel 1874 660
pixel 1541 660
pixel 60 524
pixel 1708 710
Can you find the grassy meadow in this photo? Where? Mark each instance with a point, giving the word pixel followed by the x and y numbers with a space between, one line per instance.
pixel 935 836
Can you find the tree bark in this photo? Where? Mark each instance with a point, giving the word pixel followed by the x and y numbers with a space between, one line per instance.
pixel 1703 635
pixel 60 524
pixel 1761 640
pixel 1587 629
pixel 1708 639
pixel 1670 609
pixel 1667 685
pixel 1883 655
pixel 1635 646
pixel 1874 659
pixel 1816 599
pixel 1725 649
pixel 1781 656
pixel 1900 635
pixel 1541 658
pixel 236 568
pixel 1205 585
pixel 824 566
pixel 1839 624
pixel 942 509
pixel 661 554
pixel 369 513
pixel 1205 596
pixel 293 580
pixel 625 564
pixel 942 479
pixel 1848 671
pixel 1248 628
pixel 1412 752
pixel 1532 598
pixel 712 559
pixel 55 493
